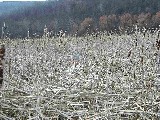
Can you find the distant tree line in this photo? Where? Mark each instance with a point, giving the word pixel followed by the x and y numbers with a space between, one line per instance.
pixel 82 16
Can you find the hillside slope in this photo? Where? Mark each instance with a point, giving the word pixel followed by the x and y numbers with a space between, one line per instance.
pixel 71 15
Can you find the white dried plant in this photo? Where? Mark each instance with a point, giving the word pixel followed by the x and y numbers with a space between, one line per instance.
pixel 91 77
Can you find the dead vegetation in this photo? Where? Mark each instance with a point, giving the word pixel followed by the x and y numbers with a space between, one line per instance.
pixel 86 78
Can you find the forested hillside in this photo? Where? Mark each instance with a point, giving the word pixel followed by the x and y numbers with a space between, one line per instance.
pixel 81 16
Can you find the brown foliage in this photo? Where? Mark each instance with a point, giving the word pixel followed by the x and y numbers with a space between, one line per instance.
pixel 108 22
pixel 86 25
pixel 156 19
pixel 126 20
pixel 88 22
pixel 144 20
pixel 103 22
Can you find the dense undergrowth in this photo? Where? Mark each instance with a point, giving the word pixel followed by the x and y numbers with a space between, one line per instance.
pixel 93 77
